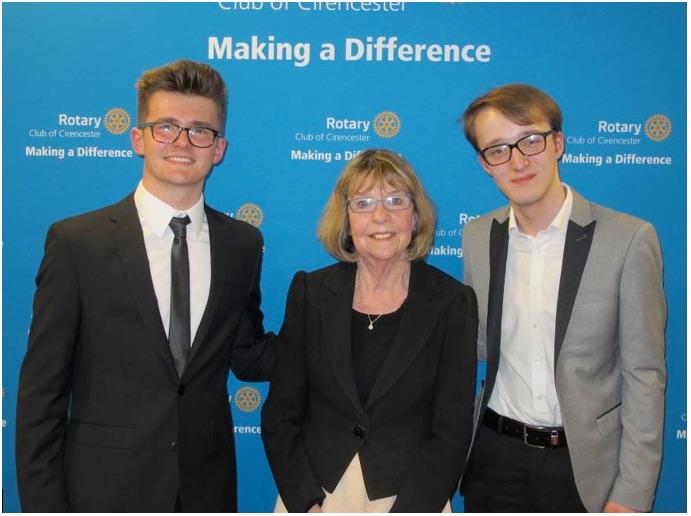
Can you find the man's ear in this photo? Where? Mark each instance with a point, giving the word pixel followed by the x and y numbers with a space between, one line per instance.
pixel 137 140
pixel 220 149
pixel 559 144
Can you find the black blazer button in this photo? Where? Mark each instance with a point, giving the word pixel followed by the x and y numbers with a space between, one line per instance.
pixel 359 431
pixel 181 390
pixel 173 446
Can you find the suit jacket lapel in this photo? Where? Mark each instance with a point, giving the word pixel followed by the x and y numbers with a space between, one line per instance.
pixel 498 250
pixel 579 237
pixel 129 242
pixel 418 318
pixel 220 261
pixel 336 308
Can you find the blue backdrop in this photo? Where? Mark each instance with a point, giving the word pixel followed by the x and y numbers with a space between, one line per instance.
pixel 311 84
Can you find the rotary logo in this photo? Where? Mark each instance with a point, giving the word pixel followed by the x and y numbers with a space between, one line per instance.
pixel 387 124
pixel 247 399
pixel 658 128
pixel 250 213
pixel 117 121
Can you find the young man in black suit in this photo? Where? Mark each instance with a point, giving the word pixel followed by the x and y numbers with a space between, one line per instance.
pixel 140 309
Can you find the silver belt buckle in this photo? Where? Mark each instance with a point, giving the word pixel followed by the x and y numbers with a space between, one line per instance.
pixel 554 438
pixel 525 438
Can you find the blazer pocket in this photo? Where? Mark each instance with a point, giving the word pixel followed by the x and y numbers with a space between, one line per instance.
pixel 610 420
pixel 106 436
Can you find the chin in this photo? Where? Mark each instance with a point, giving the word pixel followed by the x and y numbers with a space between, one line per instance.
pixel 521 197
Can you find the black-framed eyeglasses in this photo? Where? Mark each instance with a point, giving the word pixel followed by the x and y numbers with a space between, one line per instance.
pixel 530 145
pixel 168 132
pixel 397 202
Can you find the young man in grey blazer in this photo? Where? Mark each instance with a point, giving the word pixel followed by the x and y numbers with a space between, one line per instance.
pixel 572 319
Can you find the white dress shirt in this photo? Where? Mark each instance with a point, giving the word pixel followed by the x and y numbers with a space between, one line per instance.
pixel 154 216
pixel 525 388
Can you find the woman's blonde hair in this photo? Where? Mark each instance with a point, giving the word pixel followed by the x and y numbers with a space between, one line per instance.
pixel 375 167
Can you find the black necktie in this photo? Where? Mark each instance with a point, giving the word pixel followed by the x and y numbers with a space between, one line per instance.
pixel 179 329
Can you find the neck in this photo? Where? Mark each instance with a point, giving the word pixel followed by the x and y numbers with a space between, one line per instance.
pixel 381 287
pixel 536 217
pixel 374 275
pixel 179 198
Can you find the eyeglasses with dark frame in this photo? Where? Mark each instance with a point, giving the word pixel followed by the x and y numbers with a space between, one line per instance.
pixel 396 202
pixel 529 145
pixel 168 132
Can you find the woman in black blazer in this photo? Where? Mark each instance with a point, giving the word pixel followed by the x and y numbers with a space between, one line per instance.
pixel 371 402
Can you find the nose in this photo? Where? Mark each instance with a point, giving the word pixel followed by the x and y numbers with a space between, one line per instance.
pixel 518 160
pixel 380 213
pixel 183 139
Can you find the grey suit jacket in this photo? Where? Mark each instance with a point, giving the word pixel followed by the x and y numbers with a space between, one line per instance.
pixel 609 345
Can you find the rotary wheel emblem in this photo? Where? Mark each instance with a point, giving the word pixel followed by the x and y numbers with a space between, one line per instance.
pixel 658 128
pixel 387 124
pixel 251 213
pixel 117 121
pixel 247 399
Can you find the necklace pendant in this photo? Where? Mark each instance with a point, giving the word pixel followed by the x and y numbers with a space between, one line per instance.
pixel 370 327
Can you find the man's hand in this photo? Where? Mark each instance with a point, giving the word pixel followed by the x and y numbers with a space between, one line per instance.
pixel 616 507
pixel 315 508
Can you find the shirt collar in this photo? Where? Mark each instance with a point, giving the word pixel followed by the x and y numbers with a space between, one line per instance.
pixel 560 222
pixel 157 213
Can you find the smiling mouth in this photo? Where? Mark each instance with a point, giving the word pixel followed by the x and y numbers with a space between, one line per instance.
pixel 382 236
pixel 179 159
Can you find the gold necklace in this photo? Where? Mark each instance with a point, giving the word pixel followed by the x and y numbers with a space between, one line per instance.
pixel 372 321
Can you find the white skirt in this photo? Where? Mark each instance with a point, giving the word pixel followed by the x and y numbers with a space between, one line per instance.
pixel 350 495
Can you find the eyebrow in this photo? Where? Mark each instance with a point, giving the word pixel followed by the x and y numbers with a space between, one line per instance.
pixel 502 141
pixel 386 194
pixel 193 123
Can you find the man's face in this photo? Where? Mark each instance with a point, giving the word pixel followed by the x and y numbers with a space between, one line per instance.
pixel 527 181
pixel 178 170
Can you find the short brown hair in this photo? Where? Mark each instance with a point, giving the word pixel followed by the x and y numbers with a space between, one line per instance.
pixel 521 103
pixel 186 77
pixel 369 168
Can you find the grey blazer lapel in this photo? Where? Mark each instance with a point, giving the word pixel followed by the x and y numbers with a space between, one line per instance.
pixel 336 309
pixel 129 242
pixel 498 250
pixel 579 237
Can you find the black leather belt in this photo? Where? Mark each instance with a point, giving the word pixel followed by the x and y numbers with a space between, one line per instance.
pixel 538 437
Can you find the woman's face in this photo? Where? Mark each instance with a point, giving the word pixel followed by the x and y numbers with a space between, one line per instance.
pixel 384 233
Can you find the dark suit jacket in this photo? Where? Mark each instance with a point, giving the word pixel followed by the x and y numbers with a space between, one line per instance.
pixel 413 433
pixel 103 421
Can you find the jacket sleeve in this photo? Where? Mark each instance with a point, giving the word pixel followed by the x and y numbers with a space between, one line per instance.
pixel 45 380
pixel 436 468
pixel 284 410
pixel 253 356
pixel 470 241
pixel 642 319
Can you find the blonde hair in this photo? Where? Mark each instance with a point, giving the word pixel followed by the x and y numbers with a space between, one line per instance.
pixel 375 167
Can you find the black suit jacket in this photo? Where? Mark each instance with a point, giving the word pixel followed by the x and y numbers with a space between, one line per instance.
pixel 413 433
pixel 104 423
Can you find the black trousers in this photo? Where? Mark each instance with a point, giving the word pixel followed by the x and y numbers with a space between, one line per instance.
pixel 506 475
